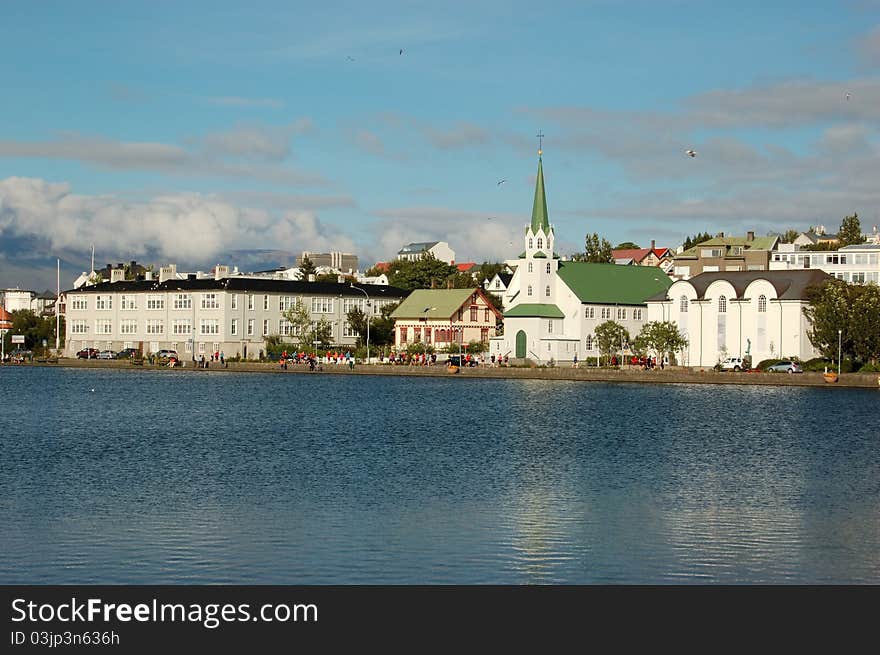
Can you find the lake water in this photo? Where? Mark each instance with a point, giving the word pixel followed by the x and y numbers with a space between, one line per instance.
pixel 161 477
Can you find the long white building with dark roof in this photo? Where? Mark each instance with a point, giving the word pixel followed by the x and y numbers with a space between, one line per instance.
pixel 204 315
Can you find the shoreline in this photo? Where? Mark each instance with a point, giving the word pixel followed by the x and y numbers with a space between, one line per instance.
pixel 636 376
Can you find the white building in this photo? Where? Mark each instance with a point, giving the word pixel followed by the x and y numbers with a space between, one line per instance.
pixel 204 315
pixel 859 264
pixel 439 249
pixel 739 313
pixel 552 307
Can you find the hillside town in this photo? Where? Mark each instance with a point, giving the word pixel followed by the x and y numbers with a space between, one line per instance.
pixel 723 301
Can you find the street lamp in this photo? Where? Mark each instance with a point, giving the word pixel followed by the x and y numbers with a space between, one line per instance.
pixel 368 312
pixel 839 344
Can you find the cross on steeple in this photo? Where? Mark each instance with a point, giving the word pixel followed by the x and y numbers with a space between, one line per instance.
pixel 540 136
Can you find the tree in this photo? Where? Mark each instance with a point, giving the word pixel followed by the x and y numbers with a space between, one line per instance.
pixel 596 250
pixel 610 337
pixel 382 326
pixel 663 337
pixel 489 270
pixel 627 245
pixel 307 268
pixel 789 236
pixel 850 232
pixel 698 238
pixel 828 313
pixel 422 273
pixel 357 321
pixel 34 328
pixel 301 325
pixel 864 323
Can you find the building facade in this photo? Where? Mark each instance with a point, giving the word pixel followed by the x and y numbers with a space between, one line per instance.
pixel 748 253
pixel 199 316
pixel 739 313
pixel 444 317
pixel 342 262
pixel 859 264
pixel 439 249
pixel 552 307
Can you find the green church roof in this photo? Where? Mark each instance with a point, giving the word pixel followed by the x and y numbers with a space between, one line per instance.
pixel 441 303
pixel 540 221
pixel 534 310
pixel 610 284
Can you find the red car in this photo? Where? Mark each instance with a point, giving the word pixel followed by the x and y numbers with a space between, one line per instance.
pixel 88 353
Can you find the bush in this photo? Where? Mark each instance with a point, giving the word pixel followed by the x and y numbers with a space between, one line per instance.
pixel 870 368
pixel 764 364
pixel 817 364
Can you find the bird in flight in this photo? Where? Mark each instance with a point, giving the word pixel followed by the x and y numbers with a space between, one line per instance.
pixel 350 58
pixel 691 153
pixel 500 182
pixel 401 52
pixel 848 94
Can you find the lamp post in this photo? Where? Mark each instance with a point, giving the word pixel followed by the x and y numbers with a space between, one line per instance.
pixel 368 313
pixel 839 344
pixel 425 333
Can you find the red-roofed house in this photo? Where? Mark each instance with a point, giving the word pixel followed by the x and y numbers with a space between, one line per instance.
pixel 652 256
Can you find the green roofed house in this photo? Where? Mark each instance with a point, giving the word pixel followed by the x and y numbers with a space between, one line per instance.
pixel 721 254
pixel 552 307
pixel 443 317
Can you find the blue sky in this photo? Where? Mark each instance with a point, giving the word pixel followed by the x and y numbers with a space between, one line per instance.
pixel 178 132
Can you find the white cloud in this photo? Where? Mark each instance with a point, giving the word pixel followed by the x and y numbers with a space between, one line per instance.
pixel 183 227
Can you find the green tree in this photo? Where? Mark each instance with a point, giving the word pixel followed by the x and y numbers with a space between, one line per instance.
pixel 698 238
pixel 357 321
pixel 307 268
pixel 301 325
pixel 596 250
pixel 850 232
pixel 663 337
pixel 610 337
pixel 34 328
pixel 489 270
pixel 828 312
pixel 382 326
pixel 627 245
pixel 789 236
pixel 864 322
pixel 423 273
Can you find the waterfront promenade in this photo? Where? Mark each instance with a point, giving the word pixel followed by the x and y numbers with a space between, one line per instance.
pixel 671 375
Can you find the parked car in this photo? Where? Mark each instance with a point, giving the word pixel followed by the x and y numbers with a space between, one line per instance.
pixel 88 353
pixel 167 354
pixel 128 353
pixel 786 366
pixel 106 354
pixel 733 364
pixel 20 355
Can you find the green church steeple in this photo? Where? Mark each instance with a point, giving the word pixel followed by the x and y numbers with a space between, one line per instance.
pixel 539 209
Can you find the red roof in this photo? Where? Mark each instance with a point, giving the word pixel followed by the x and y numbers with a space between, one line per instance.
pixel 383 266
pixel 464 268
pixel 5 319
pixel 638 254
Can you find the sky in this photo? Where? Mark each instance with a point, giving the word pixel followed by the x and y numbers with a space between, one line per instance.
pixel 168 132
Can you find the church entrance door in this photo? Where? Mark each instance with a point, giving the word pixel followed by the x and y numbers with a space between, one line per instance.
pixel 520 344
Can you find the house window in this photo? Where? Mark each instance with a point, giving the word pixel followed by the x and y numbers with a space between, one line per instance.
pixel 79 302
pixel 548 267
pixel 289 302
pixel 233 328
pixel 155 302
pixel 540 243
pixel 79 326
pixel 497 284
pixel 103 326
pixel 284 327
pixel 103 302
pixel 530 267
pixel 128 326
pixel 762 303
pixel 181 326
pixel 128 302
pixel 606 313
pixel 547 290
pixel 473 314
pixel 589 312
pixel 637 314
pixel 265 303
pixel 209 326
pixel 486 315
pixel 530 243
pixel 722 304
pixel 322 305
pixel 683 304
pixel 182 301
pixel 250 303
pixel 621 313
pixel 403 335
pixel 155 326
pixel 234 302
pixel 265 327
pixel 589 343
pixel 209 301
pixel 250 330
pixel 529 290
pixel 550 327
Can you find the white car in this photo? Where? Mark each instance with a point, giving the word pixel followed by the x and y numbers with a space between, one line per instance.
pixel 733 364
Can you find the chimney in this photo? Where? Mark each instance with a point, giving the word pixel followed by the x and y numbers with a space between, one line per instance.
pixel 117 275
pixel 311 277
pixel 133 263
pixel 191 276
pixel 720 235
pixel 750 235
pixel 652 245
pixel 221 272
pixel 148 276
pixel 168 272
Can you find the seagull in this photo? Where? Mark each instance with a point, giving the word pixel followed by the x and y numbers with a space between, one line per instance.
pixel 692 153
pixel 350 58
pixel 500 182
pixel 848 94
pixel 401 51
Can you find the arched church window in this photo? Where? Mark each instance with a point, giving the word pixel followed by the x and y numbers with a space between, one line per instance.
pixel 530 242
pixel 547 290
pixel 683 305
pixel 548 267
pixel 589 343
pixel 722 304
pixel 529 290
pixel 540 243
pixel 530 267
pixel 762 303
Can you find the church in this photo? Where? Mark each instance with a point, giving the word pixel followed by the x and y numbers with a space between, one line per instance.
pixel 553 306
